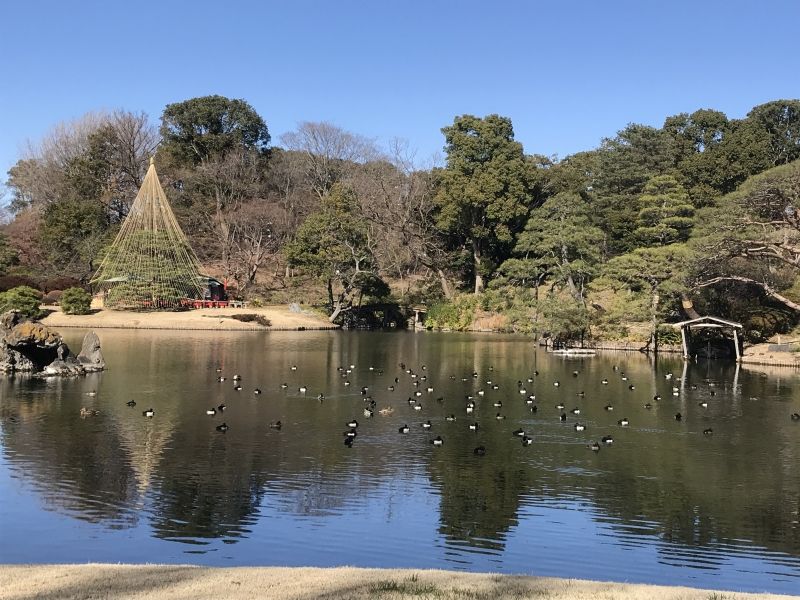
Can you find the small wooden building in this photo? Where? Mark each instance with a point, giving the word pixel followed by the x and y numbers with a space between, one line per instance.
pixel 212 289
pixel 708 323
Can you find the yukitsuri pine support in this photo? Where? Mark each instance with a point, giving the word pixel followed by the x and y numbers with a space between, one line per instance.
pixel 150 264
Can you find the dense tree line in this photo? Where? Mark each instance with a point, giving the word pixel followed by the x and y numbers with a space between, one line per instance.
pixel 701 212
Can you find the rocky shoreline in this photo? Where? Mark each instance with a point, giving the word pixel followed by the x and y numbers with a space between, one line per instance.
pixel 27 346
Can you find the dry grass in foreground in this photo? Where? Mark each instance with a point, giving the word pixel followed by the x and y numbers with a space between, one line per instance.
pixel 165 582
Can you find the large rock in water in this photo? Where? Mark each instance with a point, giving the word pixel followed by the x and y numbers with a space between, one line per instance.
pixel 26 346
pixel 89 360
pixel 30 347
pixel 90 356
pixel 31 334
pixel 13 360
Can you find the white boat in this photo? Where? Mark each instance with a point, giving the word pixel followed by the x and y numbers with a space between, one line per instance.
pixel 575 351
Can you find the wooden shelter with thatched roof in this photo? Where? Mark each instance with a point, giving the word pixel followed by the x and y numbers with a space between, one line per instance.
pixel 150 264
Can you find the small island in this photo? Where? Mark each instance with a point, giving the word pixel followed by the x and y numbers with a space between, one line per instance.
pixel 27 346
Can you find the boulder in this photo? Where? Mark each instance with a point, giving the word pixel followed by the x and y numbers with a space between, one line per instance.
pixel 90 356
pixel 69 367
pixel 28 346
pixel 9 319
pixel 33 346
pixel 32 334
pixel 12 360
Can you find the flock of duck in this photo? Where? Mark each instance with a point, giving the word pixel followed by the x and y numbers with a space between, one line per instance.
pixel 419 382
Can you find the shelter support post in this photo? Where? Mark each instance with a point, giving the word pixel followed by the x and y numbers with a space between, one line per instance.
pixel 736 343
pixel 683 342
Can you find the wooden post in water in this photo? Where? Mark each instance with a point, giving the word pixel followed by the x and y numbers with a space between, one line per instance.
pixel 683 341
pixel 736 343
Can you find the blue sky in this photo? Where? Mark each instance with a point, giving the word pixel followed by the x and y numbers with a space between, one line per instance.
pixel 567 73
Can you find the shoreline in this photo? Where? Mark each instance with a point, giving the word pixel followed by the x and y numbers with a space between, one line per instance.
pixel 294 583
pixel 204 319
pixel 282 319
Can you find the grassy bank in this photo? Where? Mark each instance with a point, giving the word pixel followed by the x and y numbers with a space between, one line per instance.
pixel 164 582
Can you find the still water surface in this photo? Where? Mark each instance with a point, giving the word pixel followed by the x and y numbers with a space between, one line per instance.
pixel 663 504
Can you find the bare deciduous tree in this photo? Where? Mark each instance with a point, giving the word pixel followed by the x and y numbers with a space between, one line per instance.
pixel 288 187
pixel 23 235
pixel 228 182
pixel 255 238
pixel 329 152
pixel 122 141
pixel 397 201
pixel 136 139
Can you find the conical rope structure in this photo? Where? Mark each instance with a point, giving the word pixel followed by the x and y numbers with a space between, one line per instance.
pixel 150 264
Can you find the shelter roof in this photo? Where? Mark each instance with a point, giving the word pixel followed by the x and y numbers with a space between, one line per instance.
pixel 707 321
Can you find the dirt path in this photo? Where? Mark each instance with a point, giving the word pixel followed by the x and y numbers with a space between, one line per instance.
pixel 218 319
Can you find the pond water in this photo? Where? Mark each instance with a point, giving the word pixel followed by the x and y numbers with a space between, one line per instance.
pixel 665 503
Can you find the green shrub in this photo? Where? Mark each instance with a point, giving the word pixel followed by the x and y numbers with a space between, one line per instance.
pixel 520 319
pixel 127 296
pixel 457 314
pixel 563 318
pixel 516 306
pixel 24 299
pixel 441 315
pixel 668 335
pixel 76 301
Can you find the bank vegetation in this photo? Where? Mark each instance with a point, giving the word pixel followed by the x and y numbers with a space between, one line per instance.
pixel 656 224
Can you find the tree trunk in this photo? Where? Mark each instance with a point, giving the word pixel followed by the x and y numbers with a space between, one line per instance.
pixel 339 306
pixel 654 323
pixel 476 256
pixel 426 261
pixel 446 289
pixel 330 293
pixel 223 234
pixel 688 307
pixel 251 274
pixel 573 289
pixel 336 310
